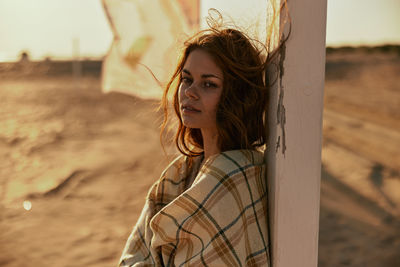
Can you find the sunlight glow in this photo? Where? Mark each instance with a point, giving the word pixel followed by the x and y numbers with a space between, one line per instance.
pixel 47 28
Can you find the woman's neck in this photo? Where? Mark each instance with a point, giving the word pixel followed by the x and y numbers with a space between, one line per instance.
pixel 210 143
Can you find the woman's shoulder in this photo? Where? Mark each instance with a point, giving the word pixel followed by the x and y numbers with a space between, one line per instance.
pixel 172 181
pixel 234 159
pixel 234 163
pixel 176 168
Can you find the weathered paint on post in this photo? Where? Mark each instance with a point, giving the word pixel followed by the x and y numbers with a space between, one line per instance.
pixel 294 145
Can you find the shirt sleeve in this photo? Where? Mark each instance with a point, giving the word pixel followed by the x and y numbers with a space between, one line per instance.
pixel 220 220
pixel 138 250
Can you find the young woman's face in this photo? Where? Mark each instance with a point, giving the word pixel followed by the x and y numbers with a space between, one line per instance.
pixel 200 91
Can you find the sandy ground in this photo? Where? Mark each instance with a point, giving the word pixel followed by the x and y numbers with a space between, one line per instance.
pixel 75 166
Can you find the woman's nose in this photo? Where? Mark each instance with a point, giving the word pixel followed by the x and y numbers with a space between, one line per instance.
pixel 191 91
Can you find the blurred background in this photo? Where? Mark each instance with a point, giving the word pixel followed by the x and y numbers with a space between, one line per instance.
pixel 79 126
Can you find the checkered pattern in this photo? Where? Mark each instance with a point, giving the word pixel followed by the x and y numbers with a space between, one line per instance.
pixel 220 220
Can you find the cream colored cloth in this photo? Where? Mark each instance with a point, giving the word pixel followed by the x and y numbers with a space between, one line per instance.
pixel 220 220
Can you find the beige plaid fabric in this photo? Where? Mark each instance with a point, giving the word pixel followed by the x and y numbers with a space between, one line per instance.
pixel 219 220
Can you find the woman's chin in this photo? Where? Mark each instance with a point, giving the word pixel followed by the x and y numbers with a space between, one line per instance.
pixel 190 124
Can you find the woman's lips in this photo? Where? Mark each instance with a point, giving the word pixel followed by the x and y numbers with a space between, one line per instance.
pixel 189 109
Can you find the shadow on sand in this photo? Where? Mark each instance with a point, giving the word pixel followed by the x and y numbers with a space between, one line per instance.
pixel 341 236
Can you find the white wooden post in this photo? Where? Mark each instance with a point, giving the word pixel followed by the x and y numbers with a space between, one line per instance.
pixel 294 145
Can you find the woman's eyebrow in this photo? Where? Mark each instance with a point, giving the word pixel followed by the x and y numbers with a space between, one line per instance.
pixel 210 75
pixel 203 75
pixel 187 72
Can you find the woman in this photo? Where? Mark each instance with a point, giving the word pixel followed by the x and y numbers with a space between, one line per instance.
pixel 209 208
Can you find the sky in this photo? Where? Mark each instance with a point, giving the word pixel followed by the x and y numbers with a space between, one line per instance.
pixel 64 28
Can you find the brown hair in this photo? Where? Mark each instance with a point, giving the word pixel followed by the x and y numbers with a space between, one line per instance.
pixel 241 112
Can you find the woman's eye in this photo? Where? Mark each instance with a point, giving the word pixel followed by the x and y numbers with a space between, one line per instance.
pixel 186 80
pixel 209 84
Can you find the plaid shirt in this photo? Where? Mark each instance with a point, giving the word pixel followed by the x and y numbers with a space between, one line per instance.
pixel 219 220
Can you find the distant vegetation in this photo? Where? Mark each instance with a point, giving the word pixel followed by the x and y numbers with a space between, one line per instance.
pixel 49 67
pixel 388 48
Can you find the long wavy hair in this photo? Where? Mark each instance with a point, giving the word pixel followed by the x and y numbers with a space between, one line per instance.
pixel 241 112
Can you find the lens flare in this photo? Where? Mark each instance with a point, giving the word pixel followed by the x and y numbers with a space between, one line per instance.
pixel 27 205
